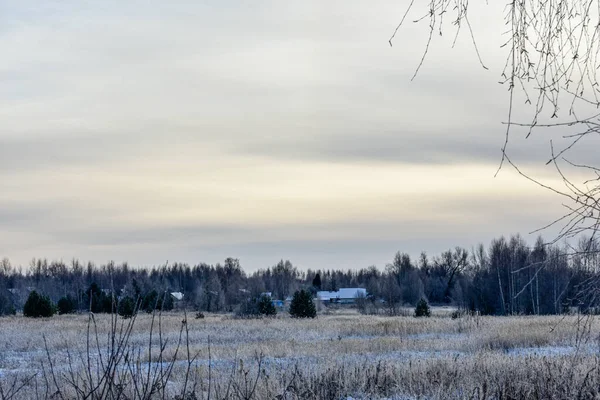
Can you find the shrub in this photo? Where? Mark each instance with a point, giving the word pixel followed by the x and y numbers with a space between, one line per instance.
pixel 66 305
pixel 126 308
pixel 302 305
pixel 38 306
pixel 422 309
pixel 266 307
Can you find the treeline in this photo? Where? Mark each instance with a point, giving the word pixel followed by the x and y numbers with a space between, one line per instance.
pixel 507 277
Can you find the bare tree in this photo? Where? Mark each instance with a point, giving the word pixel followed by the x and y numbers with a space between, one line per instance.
pixel 450 264
pixel 552 58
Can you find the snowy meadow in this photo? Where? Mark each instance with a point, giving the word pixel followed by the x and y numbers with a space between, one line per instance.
pixel 338 355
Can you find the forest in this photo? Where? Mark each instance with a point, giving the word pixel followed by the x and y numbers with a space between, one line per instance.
pixel 508 277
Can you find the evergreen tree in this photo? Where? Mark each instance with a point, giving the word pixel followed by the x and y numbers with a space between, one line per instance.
pixel 150 302
pixel 302 305
pixel 98 301
pixel 66 305
pixel 167 303
pixel 422 309
pixel 155 301
pixel 38 306
pixel 317 281
pixel 126 308
pixel 333 285
pixel 266 307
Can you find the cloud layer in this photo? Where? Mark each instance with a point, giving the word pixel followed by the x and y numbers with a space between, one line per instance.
pixel 193 131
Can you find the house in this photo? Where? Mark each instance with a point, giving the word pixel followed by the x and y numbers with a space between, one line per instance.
pixel 177 296
pixel 342 296
pixel 278 303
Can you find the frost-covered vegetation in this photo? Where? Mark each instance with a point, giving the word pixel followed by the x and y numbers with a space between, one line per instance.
pixel 338 355
pixel 117 335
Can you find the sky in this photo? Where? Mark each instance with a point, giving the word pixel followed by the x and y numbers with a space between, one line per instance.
pixel 192 131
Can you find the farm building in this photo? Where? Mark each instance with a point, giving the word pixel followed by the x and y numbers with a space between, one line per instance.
pixel 342 296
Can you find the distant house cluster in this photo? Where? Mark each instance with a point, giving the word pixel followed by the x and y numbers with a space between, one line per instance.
pixel 342 296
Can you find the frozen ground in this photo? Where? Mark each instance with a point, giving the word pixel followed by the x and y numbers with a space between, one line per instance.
pixel 340 341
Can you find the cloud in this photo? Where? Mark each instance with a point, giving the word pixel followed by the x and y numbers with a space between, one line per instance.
pixel 153 130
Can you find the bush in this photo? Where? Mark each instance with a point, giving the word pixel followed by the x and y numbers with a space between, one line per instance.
pixel 126 308
pixel 38 306
pixel 302 305
pixel 66 305
pixel 266 307
pixel 422 309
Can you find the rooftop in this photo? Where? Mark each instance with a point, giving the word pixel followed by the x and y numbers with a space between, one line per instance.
pixel 342 293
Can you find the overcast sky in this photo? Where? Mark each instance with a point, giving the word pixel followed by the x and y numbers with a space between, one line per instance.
pixel 146 131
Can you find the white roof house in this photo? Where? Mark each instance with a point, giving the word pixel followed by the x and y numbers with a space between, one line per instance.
pixel 177 295
pixel 342 295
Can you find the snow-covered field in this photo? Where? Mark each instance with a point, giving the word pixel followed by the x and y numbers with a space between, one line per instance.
pixel 342 354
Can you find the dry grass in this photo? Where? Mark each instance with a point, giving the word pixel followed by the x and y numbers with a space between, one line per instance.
pixel 352 354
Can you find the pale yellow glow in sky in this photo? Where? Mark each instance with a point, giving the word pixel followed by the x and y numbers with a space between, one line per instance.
pixel 146 131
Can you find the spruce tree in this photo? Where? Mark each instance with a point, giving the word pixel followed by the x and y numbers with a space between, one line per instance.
pixel 302 305
pixel 265 306
pixel 66 305
pixel 317 281
pixel 38 305
pixel 422 309
pixel 126 307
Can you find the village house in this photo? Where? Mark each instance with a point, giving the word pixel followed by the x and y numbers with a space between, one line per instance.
pixel 342 296
pixel 177 296
pixel 277 303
